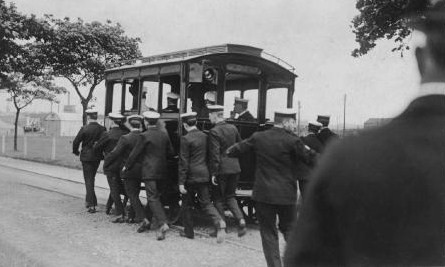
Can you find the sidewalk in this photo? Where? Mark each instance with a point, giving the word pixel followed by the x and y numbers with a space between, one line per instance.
pixel 53 170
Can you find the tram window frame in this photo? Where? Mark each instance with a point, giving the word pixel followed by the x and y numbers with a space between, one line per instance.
pixel 269 111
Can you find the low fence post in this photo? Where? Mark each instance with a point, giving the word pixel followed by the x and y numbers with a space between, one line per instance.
pixel 3 144
pixel 53 151
pixel 25 146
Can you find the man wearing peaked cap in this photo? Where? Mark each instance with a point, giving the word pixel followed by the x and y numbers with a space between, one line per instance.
pixel 240 108
pixel 172 103
pixel 105 145
pixel 224 170
pixel 131 176
pixel 311 139
pixel 194 179
pixel 278 153
pixel 378 199
pixel 87 136
pixel 152 149
pixel 325 135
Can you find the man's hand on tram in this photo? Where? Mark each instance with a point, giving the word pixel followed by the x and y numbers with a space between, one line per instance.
pixel 214 181
pixel 182 189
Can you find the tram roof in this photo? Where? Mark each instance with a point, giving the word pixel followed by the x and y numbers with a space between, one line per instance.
pixel 185 55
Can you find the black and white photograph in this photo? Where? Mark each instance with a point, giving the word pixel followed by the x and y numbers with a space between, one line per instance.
pixel 225 133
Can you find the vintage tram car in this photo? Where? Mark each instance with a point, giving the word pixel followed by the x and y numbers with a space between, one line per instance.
pixel 229 70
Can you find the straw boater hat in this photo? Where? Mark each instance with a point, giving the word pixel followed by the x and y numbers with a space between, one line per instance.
pixel 284 114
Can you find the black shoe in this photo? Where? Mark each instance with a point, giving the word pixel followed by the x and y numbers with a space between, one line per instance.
pixel 242 230
pixel 160 233
pixel 108 210
pixel 119 219
pixel 183 234
pixel 145 226
pixel 91 210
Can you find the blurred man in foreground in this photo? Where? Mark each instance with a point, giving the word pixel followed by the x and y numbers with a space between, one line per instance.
pixel 379 199
pixel 278 152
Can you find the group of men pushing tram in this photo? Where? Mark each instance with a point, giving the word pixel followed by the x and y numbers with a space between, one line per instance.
pixel 208 165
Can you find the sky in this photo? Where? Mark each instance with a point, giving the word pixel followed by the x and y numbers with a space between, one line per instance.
pixel 314 36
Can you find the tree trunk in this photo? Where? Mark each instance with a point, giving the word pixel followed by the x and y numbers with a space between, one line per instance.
pixel 84 114
pixel 17 113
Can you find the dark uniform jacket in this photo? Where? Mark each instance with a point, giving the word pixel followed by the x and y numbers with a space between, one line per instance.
pixel 277 153
pixel 246 116
pixel 221 137
pixel 326 135
pixel 193 166
pixel 88 135
pixel 379 198
pixel 312 141
pixel 120 154
pixel 106 144
pixel 154 147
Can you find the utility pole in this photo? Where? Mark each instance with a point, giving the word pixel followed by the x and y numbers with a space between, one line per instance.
pixel 344 115
pixel 299 111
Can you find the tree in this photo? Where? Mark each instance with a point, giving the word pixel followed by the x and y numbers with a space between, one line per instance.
pixel 384 19
pixel 23 91
pixel 80 51
pixel 16 28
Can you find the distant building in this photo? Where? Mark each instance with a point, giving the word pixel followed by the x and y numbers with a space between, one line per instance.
pixel 376 122
pixel 62 124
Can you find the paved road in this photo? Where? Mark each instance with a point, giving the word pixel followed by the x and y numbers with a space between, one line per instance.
pixel 44 223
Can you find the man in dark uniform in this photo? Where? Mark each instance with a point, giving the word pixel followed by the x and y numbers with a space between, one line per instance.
pixel 172 103
pixel 277 152
pixel 154 147
pixel 224 171
pixel 194 177
pixel 378 199
pixel 131 176
pixel 311 139
pixel 313 149
pixel 325 135
pixel 87 136
pixel 240 108
pixel 105 145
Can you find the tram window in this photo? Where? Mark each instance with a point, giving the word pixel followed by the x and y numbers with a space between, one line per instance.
pixel 150 93
pixel 117 96
pixel 229 99
pixel 252 96
pixel 276 99
pixel 131 97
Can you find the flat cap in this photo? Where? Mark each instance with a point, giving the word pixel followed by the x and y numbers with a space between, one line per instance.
pixel 285 113
pixel 215 108
pixel 91 111
pixel 115 116
pixel 188 115
pixel 151 115
pixel 241 100
pixel 135 117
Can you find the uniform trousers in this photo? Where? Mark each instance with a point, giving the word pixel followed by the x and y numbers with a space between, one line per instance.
pixel 203 194
pixel 115 190
pixel 133 188
pixel 153 190
pixel 224 194
pixel 89 175
pixel 267 219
